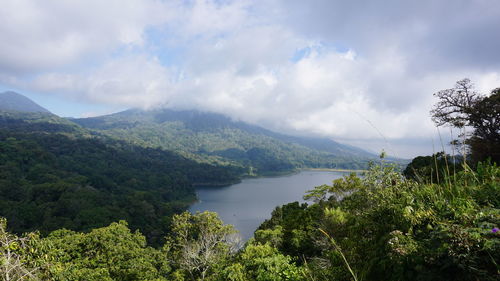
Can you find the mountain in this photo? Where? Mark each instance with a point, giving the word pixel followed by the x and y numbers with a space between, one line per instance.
pixel 215 138
pixel 12 101
pixel 56 174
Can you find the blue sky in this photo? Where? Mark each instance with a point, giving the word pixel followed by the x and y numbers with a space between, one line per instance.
pixel 353 71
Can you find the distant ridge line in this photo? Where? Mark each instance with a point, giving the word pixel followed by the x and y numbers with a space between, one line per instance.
pixel 12 101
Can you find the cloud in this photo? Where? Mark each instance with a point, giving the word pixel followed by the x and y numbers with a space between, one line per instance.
pixel 136 81
pixel 432 35
pixel 208 18
pixel 353 70
pixel 39 36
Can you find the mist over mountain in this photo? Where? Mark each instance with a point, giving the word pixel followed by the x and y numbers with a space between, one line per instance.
pixel 215 138
pixel 12 101
pixel 56 174
pixel 85 173
pixel 162 128
pixel 199 121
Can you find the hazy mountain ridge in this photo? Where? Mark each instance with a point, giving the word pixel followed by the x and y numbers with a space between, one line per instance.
pixel 31 122
pixel 12 101
pixel 216 138
pixel 56 174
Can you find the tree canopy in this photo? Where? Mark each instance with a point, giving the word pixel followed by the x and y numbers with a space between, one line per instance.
pixel 64 180
pixel 461 107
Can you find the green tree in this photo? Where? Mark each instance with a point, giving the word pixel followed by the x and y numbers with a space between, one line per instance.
pixel 200 243
pixel 386 227
pixel 463 107
pixel 433 169
pixel 263 262
pixel 107 253
pixel 14 263
pixel 485 119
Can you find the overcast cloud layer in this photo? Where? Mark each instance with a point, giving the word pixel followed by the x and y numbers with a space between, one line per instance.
pixel 356 71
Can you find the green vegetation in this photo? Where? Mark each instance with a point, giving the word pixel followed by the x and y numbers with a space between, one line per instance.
pixel 200 247
pixel 434 168
pixel 378 227
pixel 392 228
pixel 57 175
pixel 31 122
pixel 213 138
pixel 462 107
pixel 109 253
pixel 439 220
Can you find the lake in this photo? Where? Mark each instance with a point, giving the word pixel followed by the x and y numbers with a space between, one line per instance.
pixel 247 204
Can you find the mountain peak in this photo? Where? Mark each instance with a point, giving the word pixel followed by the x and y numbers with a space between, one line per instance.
pixel 12 101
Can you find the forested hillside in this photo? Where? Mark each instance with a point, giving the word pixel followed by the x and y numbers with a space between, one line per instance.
pixel 55 174
pixel 389 228
pixel 439 220
pixel 241 140
pixel 385 227
pixel 214 138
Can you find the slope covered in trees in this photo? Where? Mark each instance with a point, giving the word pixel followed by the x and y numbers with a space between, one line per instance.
pixel 378 227
pixel 214 138
pixel 55 174
pixel 439 223
pixel 391 228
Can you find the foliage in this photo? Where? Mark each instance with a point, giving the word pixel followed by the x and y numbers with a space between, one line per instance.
pixel 263 262
pixel 439 223
pixel 14 263
pixel 380 226
pixel 31 122
pixel 386 227
pixel 200 247
pixel 462 107
pixel 455 105
pixel 485 120
pixel 433 169
pixel 199 244
pixel 295 226
pixel 80 181
pixel 108 253
pixel 214 138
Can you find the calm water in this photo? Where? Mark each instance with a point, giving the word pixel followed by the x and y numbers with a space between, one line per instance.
pixel 247 204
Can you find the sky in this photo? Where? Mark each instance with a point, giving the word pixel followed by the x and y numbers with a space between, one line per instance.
pixel 359 72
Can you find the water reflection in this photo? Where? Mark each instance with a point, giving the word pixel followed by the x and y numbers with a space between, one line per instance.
pixel 247 204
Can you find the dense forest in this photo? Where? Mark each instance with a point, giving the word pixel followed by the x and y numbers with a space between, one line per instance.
pixel 378 227
pixel 214 138
pixel 57 174
pixel 54 174
pixel 96 208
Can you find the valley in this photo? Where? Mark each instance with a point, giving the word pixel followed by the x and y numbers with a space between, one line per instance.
pixel 169 194
pixel 214 138
pixel 139 166
pixel 240 140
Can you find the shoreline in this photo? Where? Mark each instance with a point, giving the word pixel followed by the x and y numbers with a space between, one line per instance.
pixel 275 175
pixel 334 170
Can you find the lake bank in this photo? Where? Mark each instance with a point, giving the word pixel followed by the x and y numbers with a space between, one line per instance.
pixel 334 170
pixel 247 204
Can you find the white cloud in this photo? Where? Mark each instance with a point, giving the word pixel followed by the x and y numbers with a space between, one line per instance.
pixel 137 81
pixel 344 69
pixel 207 18
pixel 41 35
pixel 487 82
